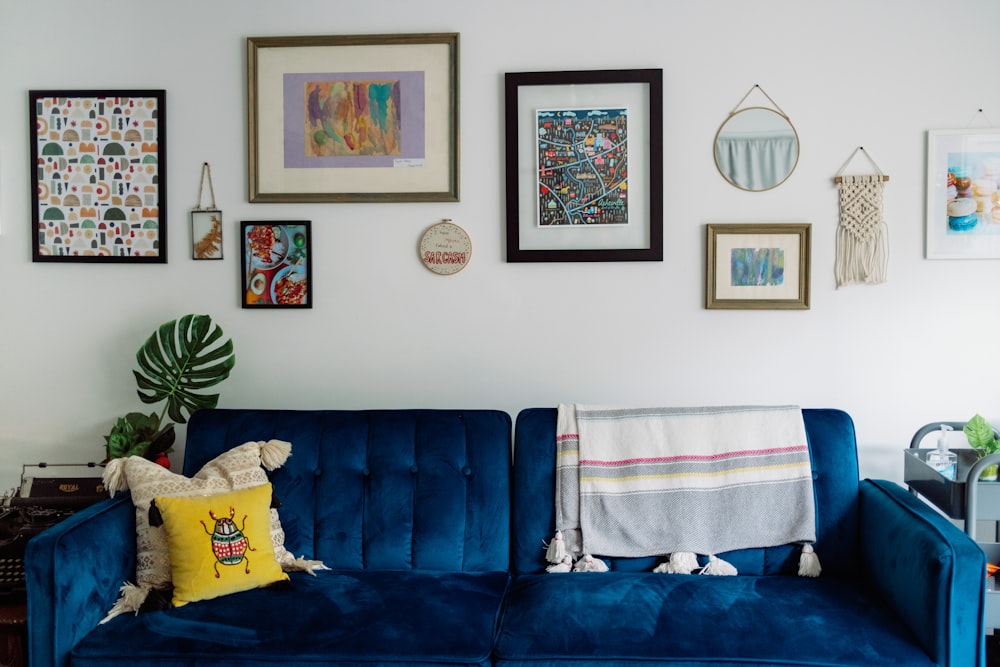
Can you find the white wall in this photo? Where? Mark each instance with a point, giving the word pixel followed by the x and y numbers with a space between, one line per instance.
pixel 385 332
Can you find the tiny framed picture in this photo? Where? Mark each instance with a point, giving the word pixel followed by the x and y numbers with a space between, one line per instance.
pixel 206 234
pixel 98 176
pixel 963 194
pixel 758 266
pixel 277 264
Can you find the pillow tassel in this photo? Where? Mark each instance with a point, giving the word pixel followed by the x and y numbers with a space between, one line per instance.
pixel 718 567
pixel 809 562
pixel 130 600
pixel 289 563
pixel 301 564
pixel 680 562
pixel 114 476
pixel 590 564
pixel 555 550
pixel 274 453
pixel 155 519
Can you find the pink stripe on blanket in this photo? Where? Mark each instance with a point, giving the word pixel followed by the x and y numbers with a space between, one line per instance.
pixel 695 457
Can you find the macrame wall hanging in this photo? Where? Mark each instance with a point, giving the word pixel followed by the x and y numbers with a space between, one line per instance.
pixel 862 235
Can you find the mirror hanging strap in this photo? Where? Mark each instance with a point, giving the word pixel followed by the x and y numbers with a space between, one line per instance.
pixel 754 87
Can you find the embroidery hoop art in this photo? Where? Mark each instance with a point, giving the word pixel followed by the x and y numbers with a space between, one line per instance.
pixel 445 248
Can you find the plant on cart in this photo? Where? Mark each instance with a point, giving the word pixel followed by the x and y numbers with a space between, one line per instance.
pixel 983 438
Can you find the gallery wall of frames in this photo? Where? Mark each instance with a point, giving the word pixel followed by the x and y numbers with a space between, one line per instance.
pixel 453 205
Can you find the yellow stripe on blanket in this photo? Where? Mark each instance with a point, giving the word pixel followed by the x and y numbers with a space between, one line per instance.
pixel 803 471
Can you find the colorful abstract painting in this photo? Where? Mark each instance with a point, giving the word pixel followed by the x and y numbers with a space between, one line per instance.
pixel 98 175
pixel 582 166
pixel 757 267
pixel 354 119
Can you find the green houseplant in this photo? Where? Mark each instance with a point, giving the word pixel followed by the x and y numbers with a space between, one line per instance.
pixel 983 438
pixel 178 361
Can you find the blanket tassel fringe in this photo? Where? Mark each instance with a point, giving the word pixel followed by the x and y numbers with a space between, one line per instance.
pixel 555 550
pixel 686 562
pixel 680 562
pixel 590 564
pixel 718 567
pixel 565 565
pixel 809 562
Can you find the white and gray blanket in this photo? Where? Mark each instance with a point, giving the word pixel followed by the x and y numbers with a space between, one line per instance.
pixel 654 481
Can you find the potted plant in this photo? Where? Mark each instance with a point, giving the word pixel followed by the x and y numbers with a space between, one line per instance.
pixel 178 361
pixel 983 438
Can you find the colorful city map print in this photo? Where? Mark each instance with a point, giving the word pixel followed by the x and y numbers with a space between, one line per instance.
pixel 751 267
pixel 97 176
pixel 582 166
pixel 352 118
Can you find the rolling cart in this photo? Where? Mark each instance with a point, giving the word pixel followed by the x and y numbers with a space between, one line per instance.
pixel 960 500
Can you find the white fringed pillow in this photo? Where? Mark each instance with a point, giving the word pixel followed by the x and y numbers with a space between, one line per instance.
pixel 239 468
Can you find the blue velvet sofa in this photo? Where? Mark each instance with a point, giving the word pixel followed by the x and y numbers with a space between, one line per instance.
pixel 409 508
pixel 900 584
pixel 434 536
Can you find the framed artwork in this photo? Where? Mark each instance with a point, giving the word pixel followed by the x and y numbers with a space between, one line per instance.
pixel 584 166
pixel 758 266
pixel 355 118
pixel 277 264
pixel 963 199
pixel 206 233
pixel 99 175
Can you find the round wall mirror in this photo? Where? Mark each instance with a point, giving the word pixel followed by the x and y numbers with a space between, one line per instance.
pixel 756 149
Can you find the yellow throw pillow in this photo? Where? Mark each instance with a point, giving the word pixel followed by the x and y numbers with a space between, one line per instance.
pixel 219 544
pixel 238 468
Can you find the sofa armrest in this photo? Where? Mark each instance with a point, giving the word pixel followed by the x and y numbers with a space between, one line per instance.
pixel 73 572
pixel 928 571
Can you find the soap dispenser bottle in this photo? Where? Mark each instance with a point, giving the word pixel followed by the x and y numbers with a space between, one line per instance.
pixel 942 459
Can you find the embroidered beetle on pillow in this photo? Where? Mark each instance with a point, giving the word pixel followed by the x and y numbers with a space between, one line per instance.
pixel 229 544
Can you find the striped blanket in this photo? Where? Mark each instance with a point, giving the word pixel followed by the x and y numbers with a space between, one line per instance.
pixel 655 481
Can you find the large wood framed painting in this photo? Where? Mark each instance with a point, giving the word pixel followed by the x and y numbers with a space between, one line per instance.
pixel 754 266
pixel 98 175
pixel 584 166
pixel 355 118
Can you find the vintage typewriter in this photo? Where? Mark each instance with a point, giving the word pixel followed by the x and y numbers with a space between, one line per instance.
pixel 41 501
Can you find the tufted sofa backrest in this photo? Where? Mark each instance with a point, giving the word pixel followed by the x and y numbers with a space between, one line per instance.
pixel 833 451
pixel 380 489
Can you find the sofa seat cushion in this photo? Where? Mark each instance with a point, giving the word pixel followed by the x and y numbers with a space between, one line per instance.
pixel 336 617
pixel 593 618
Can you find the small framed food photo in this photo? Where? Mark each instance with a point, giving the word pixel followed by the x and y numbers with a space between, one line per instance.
pixel 277 264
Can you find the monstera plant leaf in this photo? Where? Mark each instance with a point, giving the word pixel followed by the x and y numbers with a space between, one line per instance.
pixel 179 361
